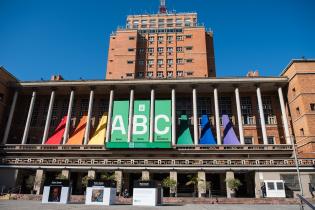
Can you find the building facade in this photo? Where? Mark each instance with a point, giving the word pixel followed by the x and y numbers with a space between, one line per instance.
pixel 163 45
pixel 140 128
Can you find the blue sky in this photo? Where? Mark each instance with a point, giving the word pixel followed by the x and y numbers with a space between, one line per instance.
pixel 39 38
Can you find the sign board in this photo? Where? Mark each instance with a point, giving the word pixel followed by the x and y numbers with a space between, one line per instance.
pixel 120 121
pixel 100 195
pixel 56 191
pixel 100 192
pixel 141 125
pixel 141 121
pixel 146 193
pixel 145 196
pixel 162 121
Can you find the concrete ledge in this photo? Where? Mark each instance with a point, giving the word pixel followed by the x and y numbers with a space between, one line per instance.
pixel 182 200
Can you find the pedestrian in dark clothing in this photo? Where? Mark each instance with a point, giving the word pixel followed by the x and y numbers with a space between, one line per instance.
pixel 263 190
pixel 311 188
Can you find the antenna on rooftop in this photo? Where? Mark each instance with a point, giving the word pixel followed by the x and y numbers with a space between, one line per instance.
pixel 162 7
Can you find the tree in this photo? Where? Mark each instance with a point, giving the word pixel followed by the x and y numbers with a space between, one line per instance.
pixel 108 177
pixel 233 184
pixel 85 180
pixel 193 180
pixel 171 184
pixel 61 176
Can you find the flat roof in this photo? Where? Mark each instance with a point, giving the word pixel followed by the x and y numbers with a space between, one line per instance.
pixel 296 61
pixel 163 14
pixel 192 81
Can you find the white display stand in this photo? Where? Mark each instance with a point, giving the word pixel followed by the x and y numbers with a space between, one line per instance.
pixel 146 193
pixel 100 195
pixel 145 197
pixel 274 188
pixel 56 192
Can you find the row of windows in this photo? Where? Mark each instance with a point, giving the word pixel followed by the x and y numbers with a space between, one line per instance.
pixel 160 30
pixel 161 21
pixel 161 25
pixel 249 140
pixel 169 38
pixel 312 108
pixel 225 107
pixel 160 62
pixel 161 49
pixel 160 74
pixel 41 109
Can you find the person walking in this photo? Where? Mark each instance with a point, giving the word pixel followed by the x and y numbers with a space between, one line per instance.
pixel 311 188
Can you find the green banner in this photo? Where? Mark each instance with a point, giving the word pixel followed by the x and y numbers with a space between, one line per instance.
pixel 120 121
pixel 141 121
pixel 162 122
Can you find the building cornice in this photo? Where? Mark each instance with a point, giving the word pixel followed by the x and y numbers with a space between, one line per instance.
pixel 296 61
pixel 191 81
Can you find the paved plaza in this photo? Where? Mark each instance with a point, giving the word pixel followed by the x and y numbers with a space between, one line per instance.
pixel 36 205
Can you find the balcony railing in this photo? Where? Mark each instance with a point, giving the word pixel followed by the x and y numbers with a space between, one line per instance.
pixel 32 147
pixel 271 120
pixel 249 120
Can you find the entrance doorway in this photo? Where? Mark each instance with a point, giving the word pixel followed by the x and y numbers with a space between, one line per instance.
pixel 217 182
pixel 159 178
pixel 247 189
pixel 130 181
pixel 184 190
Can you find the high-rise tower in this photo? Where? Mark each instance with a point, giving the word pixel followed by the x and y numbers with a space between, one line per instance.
pixel 162 45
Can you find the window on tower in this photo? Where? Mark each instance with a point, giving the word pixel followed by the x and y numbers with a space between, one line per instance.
pixel 179 73
pixel 159 74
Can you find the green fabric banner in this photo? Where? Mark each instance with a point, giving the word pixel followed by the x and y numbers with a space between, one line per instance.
pixel 141 121
pixel 162 122
pixel 120 121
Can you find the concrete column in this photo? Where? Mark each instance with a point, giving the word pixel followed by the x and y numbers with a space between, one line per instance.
pixel 173 175
pixel 258 182
pixel 66 133
pixel 173 117
pixel 305 180
pixel 152 115
pixel 195 116
pixel 109 118
pixel 88 121
pixel 119 180
pixel 217 116
pixel 284 117
pixel 39 181
pixel 92 174
pixel 29 118
pixel 66 173
pixel 262 116
pixel 130 114
pixel 202 183
pixel 48 118
pixel 9 122
pixel 145 175
pixel 239 115
pixel 229 175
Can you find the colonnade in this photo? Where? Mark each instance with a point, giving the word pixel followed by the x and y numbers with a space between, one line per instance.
pixel 152 98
